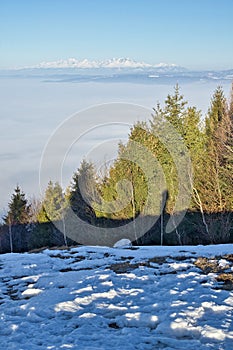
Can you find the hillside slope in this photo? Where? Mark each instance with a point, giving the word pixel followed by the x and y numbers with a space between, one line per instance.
pixel 115 298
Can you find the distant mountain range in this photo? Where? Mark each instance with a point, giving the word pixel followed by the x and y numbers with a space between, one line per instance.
pixel 115 70
pixel 110 63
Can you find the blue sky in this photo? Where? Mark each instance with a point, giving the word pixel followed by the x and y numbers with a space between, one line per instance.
pixel 192 33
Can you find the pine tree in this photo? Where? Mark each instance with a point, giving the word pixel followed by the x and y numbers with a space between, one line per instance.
pixel 194 141
pixel 53 204
pixel 216 186
pixel 83 192
pixel 174 109
pixel 168 124
pixel 170 129
pixel 18 209
pixel 148 135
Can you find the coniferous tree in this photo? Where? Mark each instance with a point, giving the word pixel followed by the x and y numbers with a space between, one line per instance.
pixel 214 192
pixel 216 187
pixel 174 109
pixel 51 211
pixel 168 123
pixel 125 188
pixel 211 180
pixel 53 204
pixel 148 135
pixel 209 147
pixel 83 192
pixel 19 209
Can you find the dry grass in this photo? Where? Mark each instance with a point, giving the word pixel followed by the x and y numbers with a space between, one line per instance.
pixel 224 277
pixel 124 267
pixel 208 265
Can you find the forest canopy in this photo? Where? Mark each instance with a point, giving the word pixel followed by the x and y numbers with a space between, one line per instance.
pixel 124 191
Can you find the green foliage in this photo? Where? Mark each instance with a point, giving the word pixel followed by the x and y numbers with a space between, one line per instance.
pixel 216 114
pixel 136 164
pixel 175 124
pixel 134 185
pixel 53 205
pixel 84 193
pixel 209 146
pixel 175 109
pixel 19 209
pixel 217 182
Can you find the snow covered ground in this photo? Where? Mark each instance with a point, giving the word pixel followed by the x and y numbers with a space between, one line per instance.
pixel 115 298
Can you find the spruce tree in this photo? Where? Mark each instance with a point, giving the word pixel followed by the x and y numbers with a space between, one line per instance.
pixel 19 209
pixel 173 115
pixel 83 192
pixel 53 204
pixel 174 109
pixel 217 175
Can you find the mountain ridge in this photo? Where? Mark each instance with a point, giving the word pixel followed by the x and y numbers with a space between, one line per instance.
pixel 108 63
pixel 113 70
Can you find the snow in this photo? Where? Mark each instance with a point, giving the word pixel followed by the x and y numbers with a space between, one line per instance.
pixel 121 62
pixel 123 243
pixel 115 298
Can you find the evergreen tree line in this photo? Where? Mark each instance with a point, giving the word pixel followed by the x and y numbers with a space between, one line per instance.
pixel 100 199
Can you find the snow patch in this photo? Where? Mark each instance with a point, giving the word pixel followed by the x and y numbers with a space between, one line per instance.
pixel 123 243
pixel 30 292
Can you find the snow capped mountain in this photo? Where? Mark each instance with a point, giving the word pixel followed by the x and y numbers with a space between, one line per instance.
pixel 69 63
pixel 116 70
pixel 109 63
pixel 124 63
